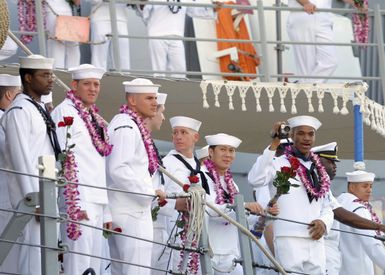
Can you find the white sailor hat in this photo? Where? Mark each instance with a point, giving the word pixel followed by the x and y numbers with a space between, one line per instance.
pixel 223 139
pixel 203 152
pixel 86 71
pixel 161 98
pixel 304 121
pixel 140 86
pixel 360 176
pixel 328 151
pixel 36 62
pixel 8 80
pixel 184 121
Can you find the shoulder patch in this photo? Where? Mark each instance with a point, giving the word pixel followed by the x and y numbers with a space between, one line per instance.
pixel 123 126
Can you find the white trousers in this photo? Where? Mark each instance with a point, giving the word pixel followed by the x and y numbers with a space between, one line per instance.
pixel 333 260
pixel 89 242
pixel 261 258
pixel 168 55
pixel 316 60
pixel 29 260
pixel 66 54
pixel 101 53
pixel 129 249
pixel 301 254
pixel 10 263
pixel 164 262
pixel 223 265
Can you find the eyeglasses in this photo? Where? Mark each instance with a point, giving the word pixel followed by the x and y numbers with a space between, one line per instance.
pixel 47 76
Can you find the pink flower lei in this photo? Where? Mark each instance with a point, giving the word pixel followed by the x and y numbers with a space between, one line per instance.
pixel 301 172
pixel 373 214
pixel 360 23
pixel 231 189
pixel 27 18
pixel 101 144
pixel 153 163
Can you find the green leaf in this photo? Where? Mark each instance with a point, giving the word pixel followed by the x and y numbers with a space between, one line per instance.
pixel 71 146
pixel 180 223
pixel 68 135
pixel 295 185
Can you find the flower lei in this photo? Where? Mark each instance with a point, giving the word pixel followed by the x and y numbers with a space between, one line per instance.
pixel 101 144
pixel 146 137
pixel 360 22
pixel 232 191
pixel 301 172
pixel 27 18
pixel 373 214
pixel 70 172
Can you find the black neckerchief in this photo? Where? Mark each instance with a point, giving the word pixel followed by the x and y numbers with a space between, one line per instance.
pixel 51 127
pixel 310 173
pixel 160 163
pixel 194 172
pixel 98 128
pixel 1 109
pixel 174 9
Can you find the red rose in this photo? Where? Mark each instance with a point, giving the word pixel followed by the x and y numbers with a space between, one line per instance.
pixel 118 230
pixel 162 203
pixel 285 170
pixel 193 179
pixel 61 124
pixel 294 162
pixel 186 187
pixel 68 120
pixel 293 174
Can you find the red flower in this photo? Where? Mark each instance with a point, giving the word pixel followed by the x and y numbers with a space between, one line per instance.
pixel 118 229
pixel 61 124
pixel 294 162
pixel 186 187
pixel 193 179
pixel 293 174
pixel 285 170
pixel 162 203
pixel 68 120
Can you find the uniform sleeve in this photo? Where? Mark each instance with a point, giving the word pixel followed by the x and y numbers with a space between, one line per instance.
pixel 374 248
pixel 262 171
pixel 201 12
pixel 119 163
pixel 17 131
pixel 327 215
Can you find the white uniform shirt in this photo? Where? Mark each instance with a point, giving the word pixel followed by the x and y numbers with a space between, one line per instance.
pixel 359 252
pixel 4 194
pixel 320 4
pixel 26 139
pixel 127 168
pixel 61 7
pixel 100 11
pixel 91 165
pixel 295 205
pixel 161 21
pixel 225 243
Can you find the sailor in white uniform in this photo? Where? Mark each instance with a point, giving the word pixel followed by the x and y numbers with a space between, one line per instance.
pixel 329 158
pixel 10 86
pixel 360 253
pixel 130 167
pixel 100 27
pixel 94 211
pixel 29 134
pixel 202 154
pixel 223 236
pixel 162 20
pixel 65 53
pixel 308 203
pixel 181 163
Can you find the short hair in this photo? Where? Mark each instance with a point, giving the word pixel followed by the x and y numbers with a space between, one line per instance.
pixel 4 89
pixel 23 72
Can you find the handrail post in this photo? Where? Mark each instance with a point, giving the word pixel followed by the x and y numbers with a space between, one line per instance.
pixel 115 36
pixel 40 27
pixel 48 229
pixel 262 33
pixel 380 45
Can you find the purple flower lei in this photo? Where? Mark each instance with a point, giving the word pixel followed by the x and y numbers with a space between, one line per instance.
pixel 27 18
pixel 324 177
pixel 360 23
pixel 232 191
pixel 146 137
pixel 71 195
pixel 101 144
pixel 193 257
pixel 373 214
